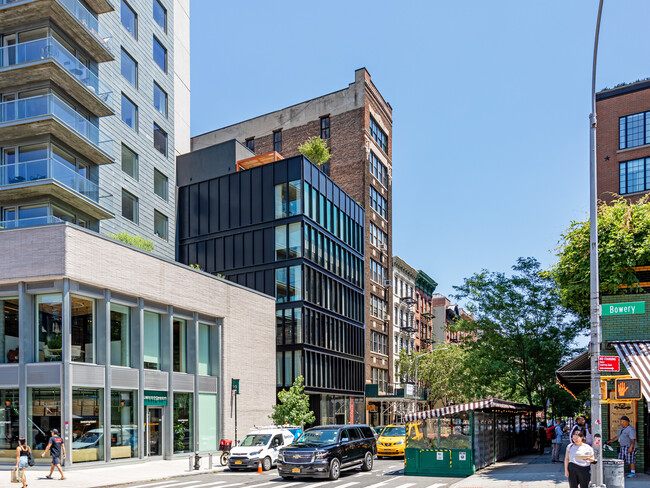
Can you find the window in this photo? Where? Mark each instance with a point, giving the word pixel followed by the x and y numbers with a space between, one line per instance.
pixel 378 342
pixel 250 144
pixel 49 327
pixel 129 113
pixel 378 170
pixel 160 184
pixel 183 417
pixel 9 332
pixel 120 335
pixel 179 345
pixel 204 350
pixel 378 135
pixel 277 140
pixel 377 272
pixel 159 225
pixel 160 99
pixel 82 329
pixel 294 197
pixel 634 176
pixel 280 200
pixel 379 377
pixel 377 202
pixel 129 206
pixel 129 19
pixel 634 130
pixel 129 68
pixel 378 237
pixel 129 162
pixel 124 419
pixel 152 344
pixel 160 54
pixel 160 15
pixel 377 307
pixel 325 127
pixel 160 139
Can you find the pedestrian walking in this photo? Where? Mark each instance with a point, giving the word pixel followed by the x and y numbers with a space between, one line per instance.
pixel 579 455
pixel 581 424
pixel 57 451
pixel 23 453
pixel 626 437
pixel 556 441
pixel 541 437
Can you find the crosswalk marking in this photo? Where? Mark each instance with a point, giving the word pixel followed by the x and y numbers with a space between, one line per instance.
pixel 348 484
pixel 405 485
pixel 157 483
pixel 437 485
pixel 377 485
pixel 262 484
pixel 211 484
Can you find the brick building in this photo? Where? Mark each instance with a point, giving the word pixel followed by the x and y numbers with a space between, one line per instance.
pixel 357 123
pixel 424 288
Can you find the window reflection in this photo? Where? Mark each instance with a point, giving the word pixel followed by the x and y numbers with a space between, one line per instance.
pixel 82 329
pixel 8 332
pixel 49 327
pixel 124 424
pixel 120 335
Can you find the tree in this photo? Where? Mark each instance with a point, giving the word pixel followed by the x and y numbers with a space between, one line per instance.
pixel 315 149
pixel 293 408
pixel 623 243
pixel 520 333
pixel 135 241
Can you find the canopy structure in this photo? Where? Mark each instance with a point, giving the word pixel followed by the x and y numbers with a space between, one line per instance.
pixel 575 376
pixel 636 358
pixel 489 403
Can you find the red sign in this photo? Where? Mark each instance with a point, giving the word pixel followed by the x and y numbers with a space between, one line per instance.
pixel 609 363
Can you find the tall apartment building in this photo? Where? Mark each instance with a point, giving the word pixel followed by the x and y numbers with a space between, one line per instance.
pixel 424 288
pixel 357 123
pixel 282 227
pixel 404 331
pixel 623 141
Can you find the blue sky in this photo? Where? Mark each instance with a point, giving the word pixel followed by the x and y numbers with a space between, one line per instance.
pixel 490 105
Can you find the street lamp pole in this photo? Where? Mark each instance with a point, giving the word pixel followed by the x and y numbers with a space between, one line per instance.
pixel 594 346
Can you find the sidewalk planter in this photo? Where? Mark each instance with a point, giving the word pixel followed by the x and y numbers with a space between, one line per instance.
pixel 461 439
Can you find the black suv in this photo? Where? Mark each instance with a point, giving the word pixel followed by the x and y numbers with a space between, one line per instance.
pixel 322 452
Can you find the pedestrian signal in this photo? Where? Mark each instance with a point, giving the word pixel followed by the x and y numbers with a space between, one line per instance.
pixel 628 389
pixel 603 389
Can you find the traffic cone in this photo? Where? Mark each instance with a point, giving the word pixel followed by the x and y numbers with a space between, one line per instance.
pixel 259 467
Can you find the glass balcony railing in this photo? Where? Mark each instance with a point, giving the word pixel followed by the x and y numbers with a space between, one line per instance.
pixel 44 105
pixel 49 47
pixel 87 20
pixel 51 169
pixel 31 222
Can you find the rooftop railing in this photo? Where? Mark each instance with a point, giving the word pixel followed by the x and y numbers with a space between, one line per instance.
pixel 51 169
pixel 50 104
pixel 30 222
pixel 49 47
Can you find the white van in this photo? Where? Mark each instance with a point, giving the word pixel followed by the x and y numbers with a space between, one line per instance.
pixel 259 446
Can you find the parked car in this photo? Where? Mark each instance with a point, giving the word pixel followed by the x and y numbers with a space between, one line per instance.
pixel 322 452
pixel 392 440
pixel 259 446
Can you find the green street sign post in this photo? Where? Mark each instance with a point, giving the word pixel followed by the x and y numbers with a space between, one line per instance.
pixel 628 308
pixel 235 391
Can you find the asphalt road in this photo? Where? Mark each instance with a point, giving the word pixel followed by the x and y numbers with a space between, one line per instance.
pixel 384 474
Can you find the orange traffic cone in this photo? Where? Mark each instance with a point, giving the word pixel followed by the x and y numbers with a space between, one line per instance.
pixel 259 467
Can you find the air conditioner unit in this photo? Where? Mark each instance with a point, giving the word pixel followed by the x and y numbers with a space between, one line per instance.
pixel 388 283
pixel 382 246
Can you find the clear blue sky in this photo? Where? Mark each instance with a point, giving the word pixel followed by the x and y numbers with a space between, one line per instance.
pixel 490 105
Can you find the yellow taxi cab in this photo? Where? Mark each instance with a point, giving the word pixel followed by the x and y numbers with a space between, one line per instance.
pixel 392 440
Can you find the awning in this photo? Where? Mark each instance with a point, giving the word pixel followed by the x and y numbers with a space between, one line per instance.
pixel 465 407
pixel 636 357
pixel 575 376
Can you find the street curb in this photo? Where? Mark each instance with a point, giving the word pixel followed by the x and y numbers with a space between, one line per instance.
pixel 181 475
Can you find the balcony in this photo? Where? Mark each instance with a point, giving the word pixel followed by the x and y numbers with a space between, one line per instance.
pixel 32 222
pixel 70 15
pixel 46 59
pixel 53 178
pixel 48 114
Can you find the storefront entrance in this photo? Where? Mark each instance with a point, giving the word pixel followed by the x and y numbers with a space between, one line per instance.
pixel 153 429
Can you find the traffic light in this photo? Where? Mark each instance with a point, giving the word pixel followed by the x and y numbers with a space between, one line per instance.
pixel 628 389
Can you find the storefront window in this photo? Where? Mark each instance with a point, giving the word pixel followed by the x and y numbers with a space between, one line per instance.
pixel 207 422
pixel 83 330
pixel 49 327
pixel 183 422
pixel 152 340
pixel 204 349
pixel 8 330
pixel 87 425
pixel 180 346
pixel 124 424
pixel 120 335
pixel 8 424
pixel 43 415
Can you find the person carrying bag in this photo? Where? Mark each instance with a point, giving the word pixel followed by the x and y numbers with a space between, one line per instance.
pixel 24 458
pixel 579 456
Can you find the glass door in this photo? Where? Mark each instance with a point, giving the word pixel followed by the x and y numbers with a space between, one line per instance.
pixel 153 429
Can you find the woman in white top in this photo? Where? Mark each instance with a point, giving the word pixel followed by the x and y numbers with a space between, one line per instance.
pixel 579 456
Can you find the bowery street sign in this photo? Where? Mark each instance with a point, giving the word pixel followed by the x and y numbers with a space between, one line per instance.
pixel 623 308
pixel 609 363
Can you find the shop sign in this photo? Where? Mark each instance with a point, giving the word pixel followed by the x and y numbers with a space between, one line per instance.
pixel 616 411
pixel 155 398
pixel 628 308
pixel 609 363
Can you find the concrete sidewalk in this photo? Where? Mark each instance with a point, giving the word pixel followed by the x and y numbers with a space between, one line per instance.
pixel 532 471
pixel 114 474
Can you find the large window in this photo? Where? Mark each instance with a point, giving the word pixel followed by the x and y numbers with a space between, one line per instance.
pixel 129 162
pixel 294 197
pixel 378 135
pixel 180 345
pixel 129 113
pixel 160 15
pixel 129 68
pixel 49 327
pixel 378 342
pixel 378 170
pixel 288 199
pixel 377 272
pixel 160 225
pixel 204 349
pixel 183 422
pixel 160 183
pixel 378 203
pixel 325 128
pixel 152 342
pixel 129 206
pixel 634 176
pixel 120 335
pixel 160 99
pixel 293 249
pixel 289 326
pixel 43 415
pixel 378 237
pixel 379 377
pixel 87 425
pixel 160 139
pixel 82 329
pixel 8 331
pixel 288 284
pixel 208 426
pixel 9 414
pixel 634 130
pixel 124 424
pixel 377 307
pixel 160 55
pixel 277 140
pixel 129 19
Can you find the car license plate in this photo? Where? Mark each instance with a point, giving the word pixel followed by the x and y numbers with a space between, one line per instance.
pixel 237 462
pixel 295 470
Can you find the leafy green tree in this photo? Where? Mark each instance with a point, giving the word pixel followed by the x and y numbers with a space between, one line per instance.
pixel 293 408
pixel 623 243
pixel 520 333
pixel 315 149
pixel 135 241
